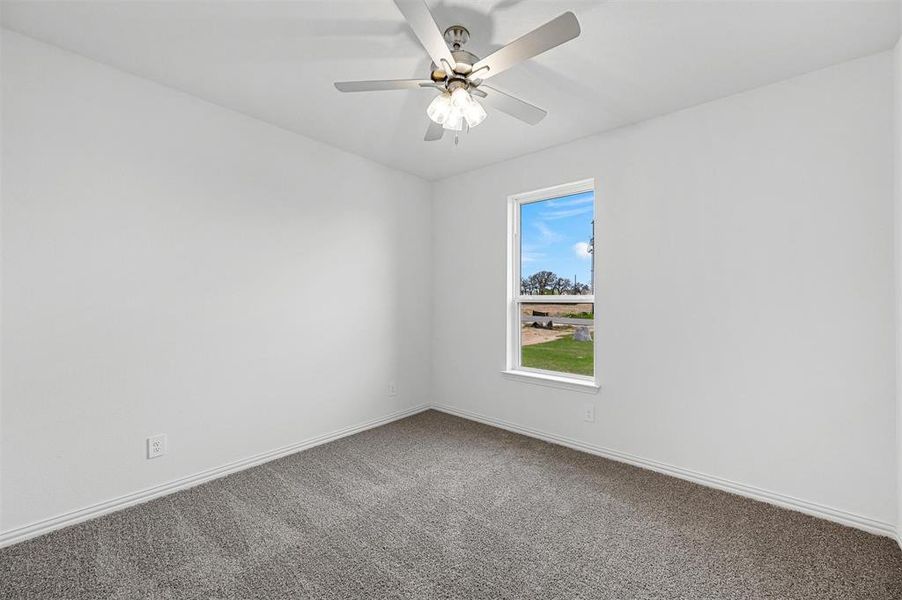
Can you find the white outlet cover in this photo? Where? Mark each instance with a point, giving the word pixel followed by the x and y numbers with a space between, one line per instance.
pixel 589 413
pixel 156 445
pixel 392 389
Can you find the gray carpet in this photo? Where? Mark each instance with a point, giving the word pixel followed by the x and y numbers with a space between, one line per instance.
pixel 438 507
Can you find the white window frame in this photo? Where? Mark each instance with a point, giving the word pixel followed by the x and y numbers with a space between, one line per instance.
pixel 513 368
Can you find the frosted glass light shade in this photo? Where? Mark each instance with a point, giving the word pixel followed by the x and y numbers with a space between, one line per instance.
pixel 460 98
pixel 440 109
pixel 474 113
pixel 455 120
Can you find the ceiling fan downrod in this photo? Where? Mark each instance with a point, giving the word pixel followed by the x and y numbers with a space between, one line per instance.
pixel 456 36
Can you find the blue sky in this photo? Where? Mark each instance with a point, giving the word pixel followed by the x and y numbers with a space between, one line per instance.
pixel 554 236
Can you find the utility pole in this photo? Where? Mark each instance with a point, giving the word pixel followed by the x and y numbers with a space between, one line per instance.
pixel 592 252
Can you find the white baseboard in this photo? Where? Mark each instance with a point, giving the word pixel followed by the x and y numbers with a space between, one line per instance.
pixel 810 508
pixel 43 526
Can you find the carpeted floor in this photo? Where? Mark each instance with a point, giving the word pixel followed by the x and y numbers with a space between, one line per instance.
pixel 438 507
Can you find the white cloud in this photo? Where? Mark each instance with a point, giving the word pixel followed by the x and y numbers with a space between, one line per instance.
pixel 547 235
pixel 567 212
pixel 581 249
pixel 529 254
pixel 570 202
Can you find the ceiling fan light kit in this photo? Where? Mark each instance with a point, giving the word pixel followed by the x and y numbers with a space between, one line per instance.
pixel 460 74
pixel 450 109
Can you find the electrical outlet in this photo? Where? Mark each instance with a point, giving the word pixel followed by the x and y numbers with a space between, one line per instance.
pixel 392 388
pixel 589 413
pixel 156 445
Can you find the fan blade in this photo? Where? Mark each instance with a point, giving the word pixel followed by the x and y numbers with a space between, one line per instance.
pixel 381 85
pixel 434 131
pixel 424 27
pixel 513 106
pixel 551 34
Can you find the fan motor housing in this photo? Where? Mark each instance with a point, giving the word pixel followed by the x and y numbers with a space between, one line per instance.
pixel 465 61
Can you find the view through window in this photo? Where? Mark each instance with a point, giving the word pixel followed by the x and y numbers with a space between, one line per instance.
pixel 554 303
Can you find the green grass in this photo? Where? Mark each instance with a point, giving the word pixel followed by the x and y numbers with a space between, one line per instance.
pixel 579 315
pixel 564 355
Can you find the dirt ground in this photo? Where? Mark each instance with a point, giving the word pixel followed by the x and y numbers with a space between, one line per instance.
pixel 556 309
pixel 534 335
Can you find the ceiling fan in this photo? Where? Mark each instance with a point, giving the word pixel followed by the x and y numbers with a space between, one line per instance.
pixel 460 75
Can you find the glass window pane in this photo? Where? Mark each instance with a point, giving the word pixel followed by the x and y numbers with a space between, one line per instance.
pixel 556 245
pixel 558 337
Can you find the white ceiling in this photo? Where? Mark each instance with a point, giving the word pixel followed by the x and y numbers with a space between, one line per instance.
pixel 277 60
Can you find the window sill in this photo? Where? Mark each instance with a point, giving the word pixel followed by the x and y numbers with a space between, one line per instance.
pixel 564 383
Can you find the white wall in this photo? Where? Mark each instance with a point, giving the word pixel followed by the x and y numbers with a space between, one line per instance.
pixel 745 290
pixel 171 266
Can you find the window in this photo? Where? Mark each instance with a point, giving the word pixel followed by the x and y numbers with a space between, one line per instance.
pixel 551 264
